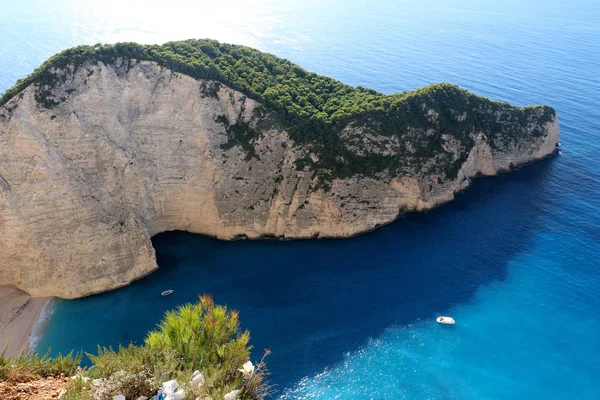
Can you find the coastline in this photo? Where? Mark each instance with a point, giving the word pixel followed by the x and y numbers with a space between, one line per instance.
pixel 19 317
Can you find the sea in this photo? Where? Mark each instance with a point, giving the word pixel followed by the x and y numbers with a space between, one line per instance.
pixel 515 260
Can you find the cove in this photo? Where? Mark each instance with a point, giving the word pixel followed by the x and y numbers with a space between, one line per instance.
pixel 514 259
pixel 313 301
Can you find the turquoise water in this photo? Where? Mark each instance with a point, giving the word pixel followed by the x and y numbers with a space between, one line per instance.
pixel 514 260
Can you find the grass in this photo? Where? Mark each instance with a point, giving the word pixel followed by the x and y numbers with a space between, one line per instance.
pixel 30 366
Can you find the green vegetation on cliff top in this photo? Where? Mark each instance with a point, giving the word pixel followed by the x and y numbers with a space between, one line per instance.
pixel 315 109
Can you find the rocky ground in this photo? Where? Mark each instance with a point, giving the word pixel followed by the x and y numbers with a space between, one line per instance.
pixel 36 389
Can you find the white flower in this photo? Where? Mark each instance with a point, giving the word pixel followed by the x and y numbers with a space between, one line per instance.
pixel 247 369
pixel 233 395
pixel 119 397
pixel 170 389
pixel 197 379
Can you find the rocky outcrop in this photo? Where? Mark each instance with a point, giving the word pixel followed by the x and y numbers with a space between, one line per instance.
pixel 131 151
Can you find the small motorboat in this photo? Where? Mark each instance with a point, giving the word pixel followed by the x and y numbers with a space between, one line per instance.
pixel 445 320
pixel 166 292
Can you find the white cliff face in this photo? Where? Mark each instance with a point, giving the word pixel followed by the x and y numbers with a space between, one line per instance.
pixel 130 153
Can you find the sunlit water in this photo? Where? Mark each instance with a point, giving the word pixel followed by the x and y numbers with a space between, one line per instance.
pixel 514 260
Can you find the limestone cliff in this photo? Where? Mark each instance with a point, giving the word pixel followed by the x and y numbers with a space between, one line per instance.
pixel 129 151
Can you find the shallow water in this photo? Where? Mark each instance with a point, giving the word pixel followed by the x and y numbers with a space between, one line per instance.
pixel 513 260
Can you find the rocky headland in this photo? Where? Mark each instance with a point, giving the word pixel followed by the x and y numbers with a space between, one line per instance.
pixel 104 147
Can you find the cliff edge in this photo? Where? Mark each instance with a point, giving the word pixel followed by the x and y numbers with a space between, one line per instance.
pixel 112 153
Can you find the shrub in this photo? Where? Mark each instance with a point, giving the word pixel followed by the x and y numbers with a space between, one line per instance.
pixel 29 366
pixel 78 389
pixel 132 385
pixel 134 359
pixel 201 336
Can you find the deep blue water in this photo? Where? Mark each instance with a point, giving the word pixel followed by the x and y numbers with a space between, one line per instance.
pixel 514 260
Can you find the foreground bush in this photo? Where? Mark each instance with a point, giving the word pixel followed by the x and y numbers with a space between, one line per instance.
pixel 197 352
pixel 199 345
pixel 30 366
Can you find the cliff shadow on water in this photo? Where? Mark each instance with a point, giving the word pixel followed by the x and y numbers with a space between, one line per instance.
pixel 312 301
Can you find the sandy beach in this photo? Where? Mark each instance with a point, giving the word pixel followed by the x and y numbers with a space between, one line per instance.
pixel 19 313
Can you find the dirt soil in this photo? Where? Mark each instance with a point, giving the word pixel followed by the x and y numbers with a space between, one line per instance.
pixel 39 389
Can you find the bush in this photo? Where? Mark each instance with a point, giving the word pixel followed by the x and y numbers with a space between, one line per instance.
pixel 78 389
pixel 132 385
pixel 30 366
pixel 201 336
pixel 134 359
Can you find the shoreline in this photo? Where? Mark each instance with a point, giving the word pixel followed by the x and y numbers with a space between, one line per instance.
pixel 20 316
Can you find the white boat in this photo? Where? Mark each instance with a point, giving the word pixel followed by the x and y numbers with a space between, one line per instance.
pixel 166 292
pixel 445 320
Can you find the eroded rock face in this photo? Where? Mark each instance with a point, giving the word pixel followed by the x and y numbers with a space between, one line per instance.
pixel 134 151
